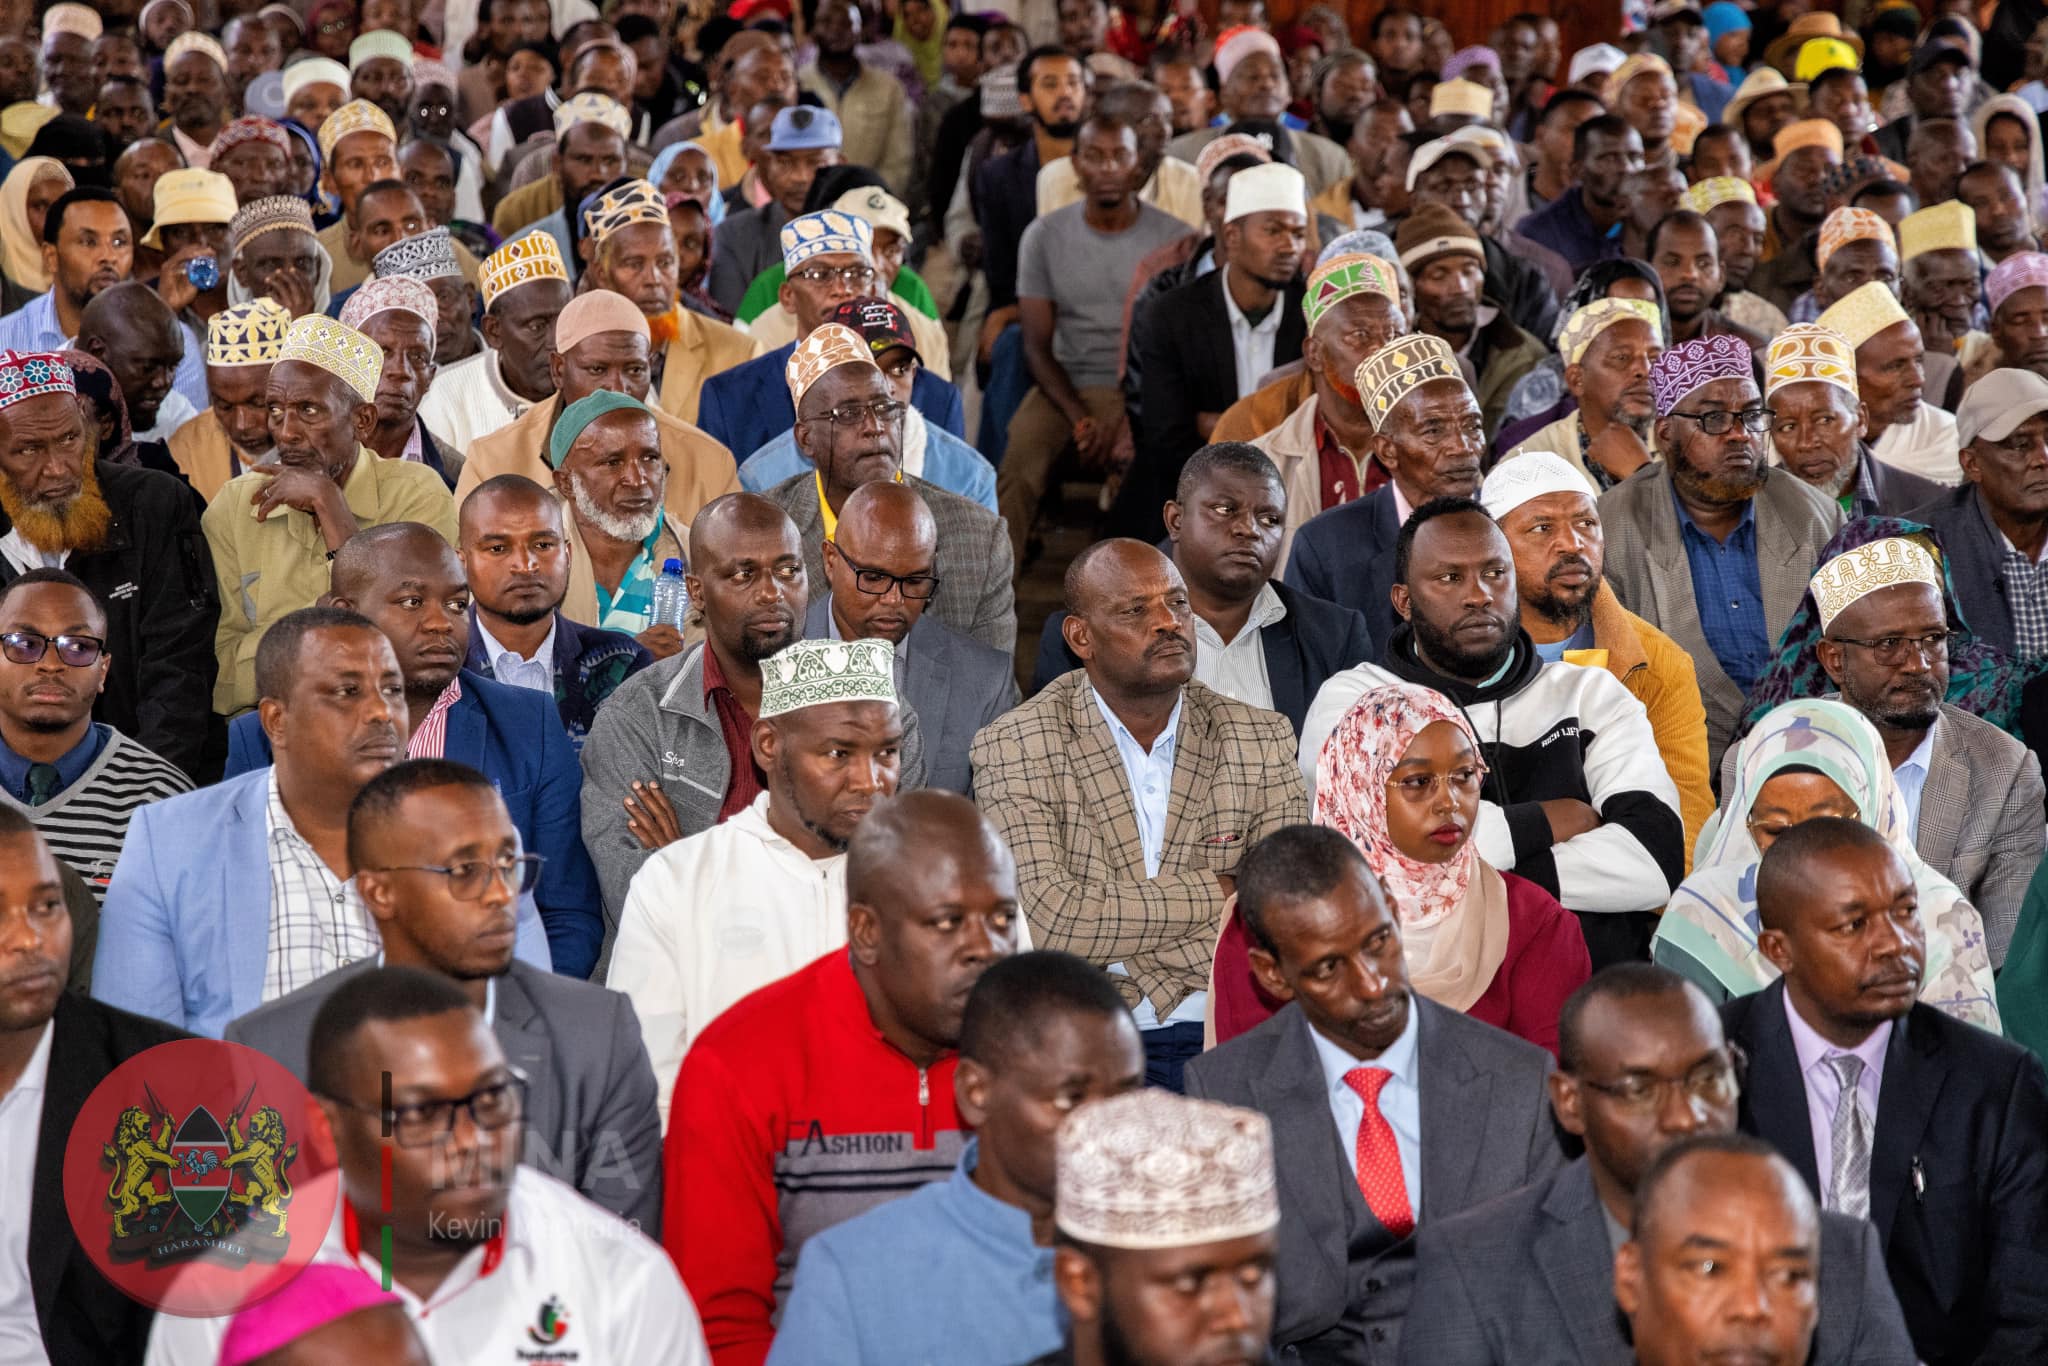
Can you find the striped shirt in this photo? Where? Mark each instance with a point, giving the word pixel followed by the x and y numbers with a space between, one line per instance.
pixel 430 741
pixel 87 822
pixel 317 920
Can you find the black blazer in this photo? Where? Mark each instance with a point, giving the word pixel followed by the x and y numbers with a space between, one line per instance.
pixel 1958 1173
pixel 1973 554
pixel 1187 365
pixel 1314 640
pixel 1346 555
pixel 83 1318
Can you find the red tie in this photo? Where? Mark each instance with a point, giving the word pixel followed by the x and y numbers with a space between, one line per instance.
pixel 1379 1156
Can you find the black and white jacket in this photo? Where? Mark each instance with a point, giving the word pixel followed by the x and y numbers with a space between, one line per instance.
pixel 1548 731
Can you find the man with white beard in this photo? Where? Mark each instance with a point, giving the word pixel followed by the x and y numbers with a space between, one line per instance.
pixel 606 454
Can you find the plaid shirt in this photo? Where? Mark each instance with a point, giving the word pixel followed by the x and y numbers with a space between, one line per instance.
pixel 317 920
pixel 2027 595
pixel 631 609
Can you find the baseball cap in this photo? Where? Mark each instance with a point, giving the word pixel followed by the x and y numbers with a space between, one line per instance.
pixel 1430 153
pixel 881 324
pixel 802 128
pixel 878 206
pixel 1998 403
pixel 1932 54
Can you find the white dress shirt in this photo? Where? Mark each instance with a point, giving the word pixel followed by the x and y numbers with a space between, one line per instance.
pixel 21 1123
pixel 715 917
pixel 616 1290
pixel 1400 1100
pixel 1149 776
pixel 1251 342
pixel 510 667
pixel 1824 1087
pixel 1911 777
pixel 1238 670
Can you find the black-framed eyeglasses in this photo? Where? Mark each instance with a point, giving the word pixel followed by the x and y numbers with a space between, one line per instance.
pixel 29 647
pixel 883 413
pixel 469 881
pixel 1714 1081
pixel 430 1123
pixel 1888 650
pixel 858 277
pixel 1719 421
pixel 877 582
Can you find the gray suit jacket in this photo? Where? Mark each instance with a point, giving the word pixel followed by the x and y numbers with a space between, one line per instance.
pixel 590 1113
pixel 1647 569
pixel 973 561
pixel 1980 818
pixel 1528 1280
pixel 1345 1281
pixel 955 686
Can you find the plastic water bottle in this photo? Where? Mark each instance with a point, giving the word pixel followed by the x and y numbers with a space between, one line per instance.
pixel 671 596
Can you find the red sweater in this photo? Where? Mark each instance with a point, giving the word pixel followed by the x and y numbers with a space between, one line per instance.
pixel 791 1114
pixel 1546 962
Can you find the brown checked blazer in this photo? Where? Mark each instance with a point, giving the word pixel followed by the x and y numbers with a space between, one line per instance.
pixel 1049 776
pixel 1647 568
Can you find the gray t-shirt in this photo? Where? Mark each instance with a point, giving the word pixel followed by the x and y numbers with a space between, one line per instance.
pixel 1087 274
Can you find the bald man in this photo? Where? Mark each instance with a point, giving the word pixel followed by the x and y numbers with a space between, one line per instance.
pixel 861 1044
pixel 1129 792
pixel 879 569
pixel 410 584
pixel 671 753
pixel 511 538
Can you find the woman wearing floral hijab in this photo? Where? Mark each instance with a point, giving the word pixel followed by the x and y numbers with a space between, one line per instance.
pixel 1812 758
pixel 1401 778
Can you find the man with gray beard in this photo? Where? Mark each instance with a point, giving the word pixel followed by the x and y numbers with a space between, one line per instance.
pixel 606 453
pixel 1817 424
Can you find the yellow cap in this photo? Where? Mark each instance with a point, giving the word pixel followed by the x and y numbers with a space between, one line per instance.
pixel 1461 97
pixel 1823 54
pixel 190 197
pixel 1947 226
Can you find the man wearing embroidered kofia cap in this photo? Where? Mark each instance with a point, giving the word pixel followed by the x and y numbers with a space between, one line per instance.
pixel 233 433
pixel 274 529
pixel 1713 526
pixel 429 257
pixel 398 313
pixel 525 285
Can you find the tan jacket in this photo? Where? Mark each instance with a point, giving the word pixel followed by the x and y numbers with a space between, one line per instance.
pixel 874 122
pixel 203 454
pixel 526 205
pixel 699 468
pixel 268 568
pixel 704 347
pixel 1263 408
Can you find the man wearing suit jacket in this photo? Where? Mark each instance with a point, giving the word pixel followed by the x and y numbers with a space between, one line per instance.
pixel 590 1114
pixel 1128 791
pixel 239 893
pixel 410 585
pixel 1205 344
pixel 1528 1279
pixel 1224 526
pixel 1429 436
pixel 517 560
pixel 1973 793
pixel 879 566
pixel 833 376
pixel 1389 1111
pixel 1890 1109
pixel 1709 544
pixel 55 1047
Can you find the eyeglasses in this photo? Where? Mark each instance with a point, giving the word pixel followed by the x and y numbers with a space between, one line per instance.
pixel 859 277
pixel 469 881
pixel 1933 646
pixel 430 1123
pixel 1720 421
pixel 877 582
pixel 1420 787
pixel 1713 1082
pixel 29 647
pixel 883 412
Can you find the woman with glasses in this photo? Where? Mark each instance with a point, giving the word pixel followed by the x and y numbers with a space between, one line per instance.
pixel 1401 777
pixel 1812 758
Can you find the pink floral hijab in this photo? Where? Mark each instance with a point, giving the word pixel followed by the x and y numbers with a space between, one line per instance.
pixel 1454 914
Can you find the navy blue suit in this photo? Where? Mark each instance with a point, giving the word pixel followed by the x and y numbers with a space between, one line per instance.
pixel 749 405
pixel 1346 556
pixel 514 737
pixel 1314 640
pixel 590 663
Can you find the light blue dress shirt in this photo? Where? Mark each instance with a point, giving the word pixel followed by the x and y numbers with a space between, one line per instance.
pixel 510 667
pixel 1911 776
pixel 1149 776
pixel 1400 1101
pixel 33 327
